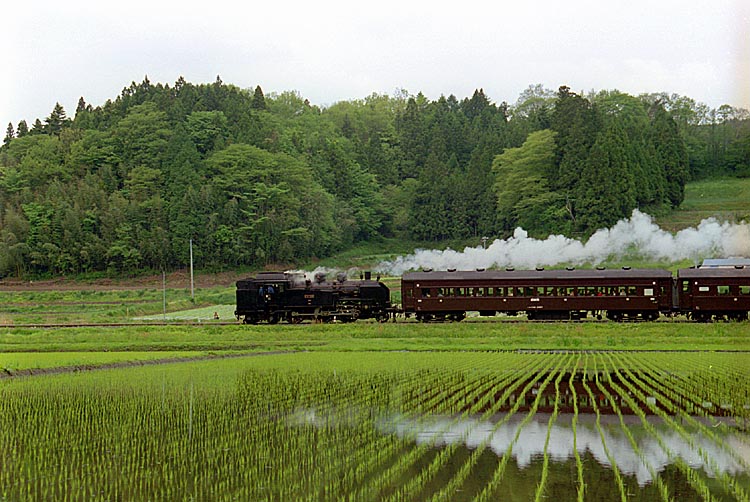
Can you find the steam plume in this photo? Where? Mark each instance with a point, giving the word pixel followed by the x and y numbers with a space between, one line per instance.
pixel 635 238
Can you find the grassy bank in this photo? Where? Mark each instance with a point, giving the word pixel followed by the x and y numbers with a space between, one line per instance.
pixel 366 337
pixel 725 199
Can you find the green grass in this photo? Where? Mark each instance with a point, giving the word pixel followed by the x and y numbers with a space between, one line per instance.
pixel 347 426
pixel 369 337
pixel 67 307
pixel 726 199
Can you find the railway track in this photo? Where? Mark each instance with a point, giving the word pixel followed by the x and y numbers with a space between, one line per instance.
pixel 118 324
pixel 236 323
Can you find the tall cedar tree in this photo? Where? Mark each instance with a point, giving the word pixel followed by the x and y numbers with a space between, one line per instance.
pixel 606 190
pixel 9 135
pixel 259 100
pixel 56 120
pixel 576 122
pixel 672 153
pixel 22 129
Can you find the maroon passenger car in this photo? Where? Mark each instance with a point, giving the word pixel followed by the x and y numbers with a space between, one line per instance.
pixel 714 293
pixel 541 294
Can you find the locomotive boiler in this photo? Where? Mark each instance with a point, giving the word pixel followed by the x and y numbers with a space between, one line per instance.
pixel 287 296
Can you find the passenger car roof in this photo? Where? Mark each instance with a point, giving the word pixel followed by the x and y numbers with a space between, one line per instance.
pixel 713 272
pixel 508 275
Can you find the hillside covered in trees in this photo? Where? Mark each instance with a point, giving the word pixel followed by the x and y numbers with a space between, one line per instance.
pixel 256 179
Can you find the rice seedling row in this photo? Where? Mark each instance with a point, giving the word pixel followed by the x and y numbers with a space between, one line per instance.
pixel 727 482
pixel 612 461
pixel 456 482
pixel 675 407
pixel 373 426
pixel 581 488
pixel 698 482
pixel 663 490
pixel 491 487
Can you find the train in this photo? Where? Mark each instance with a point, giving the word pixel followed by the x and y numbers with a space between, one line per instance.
pixel 700 294
pixel 287 296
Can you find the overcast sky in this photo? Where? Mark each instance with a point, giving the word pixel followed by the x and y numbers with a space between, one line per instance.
pixel 337 50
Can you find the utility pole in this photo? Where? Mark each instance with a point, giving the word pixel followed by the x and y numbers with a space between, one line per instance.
pixel 164 289
pixel 192 289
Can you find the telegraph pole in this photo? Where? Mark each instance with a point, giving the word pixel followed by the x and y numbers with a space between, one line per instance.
pixel 192 289
pixel 164 292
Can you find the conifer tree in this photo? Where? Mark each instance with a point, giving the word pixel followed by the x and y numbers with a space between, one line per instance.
pixel 606 190
pixel 56 120
pixel 577 123
pixel 672 154
pixel 9 135
pixel 259 101
pixel 81 105
pixel 38 127
pixel 22 129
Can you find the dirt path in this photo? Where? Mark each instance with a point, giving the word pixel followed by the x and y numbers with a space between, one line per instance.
pixel 179 279
pixel 5 374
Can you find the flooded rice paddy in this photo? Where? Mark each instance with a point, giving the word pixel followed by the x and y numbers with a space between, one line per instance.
pixel 379 426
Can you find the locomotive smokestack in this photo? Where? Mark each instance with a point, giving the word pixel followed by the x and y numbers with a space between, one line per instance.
pixel 368 275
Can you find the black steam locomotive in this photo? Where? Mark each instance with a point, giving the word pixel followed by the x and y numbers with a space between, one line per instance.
pixel 283 296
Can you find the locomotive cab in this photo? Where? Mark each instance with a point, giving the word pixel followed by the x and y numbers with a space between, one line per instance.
pixel 260 298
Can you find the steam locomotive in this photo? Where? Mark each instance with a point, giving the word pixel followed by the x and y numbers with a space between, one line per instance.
pixel 700 294
pixel 285 296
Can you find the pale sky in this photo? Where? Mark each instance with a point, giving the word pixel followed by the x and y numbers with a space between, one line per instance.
pixel 333 50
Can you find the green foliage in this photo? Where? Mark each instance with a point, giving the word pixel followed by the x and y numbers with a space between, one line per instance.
pixel 523 190
pixel 256 180
pixel 376 426
pixel 607 182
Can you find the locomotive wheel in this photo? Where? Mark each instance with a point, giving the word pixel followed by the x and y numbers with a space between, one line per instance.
pixel 295 319
pixel 273 319
pixel 250 320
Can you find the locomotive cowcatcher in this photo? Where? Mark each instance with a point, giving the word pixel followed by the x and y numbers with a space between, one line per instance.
pixel 287 296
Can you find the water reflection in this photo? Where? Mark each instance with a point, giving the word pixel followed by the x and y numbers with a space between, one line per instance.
pixel 732 459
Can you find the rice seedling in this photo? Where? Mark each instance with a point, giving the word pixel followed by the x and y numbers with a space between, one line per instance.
pixel 375 426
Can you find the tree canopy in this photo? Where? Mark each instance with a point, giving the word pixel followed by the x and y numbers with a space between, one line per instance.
pixel 258 178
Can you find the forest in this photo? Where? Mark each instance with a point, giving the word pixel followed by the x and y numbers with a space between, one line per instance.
pixel 256 179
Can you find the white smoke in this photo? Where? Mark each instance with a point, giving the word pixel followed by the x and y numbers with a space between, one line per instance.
pixel 635 238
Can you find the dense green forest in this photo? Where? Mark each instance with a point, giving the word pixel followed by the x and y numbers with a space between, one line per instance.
pixel 255 179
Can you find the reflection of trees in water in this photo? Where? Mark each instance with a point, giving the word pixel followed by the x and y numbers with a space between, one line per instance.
pixel 602 390
pixel 443 430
